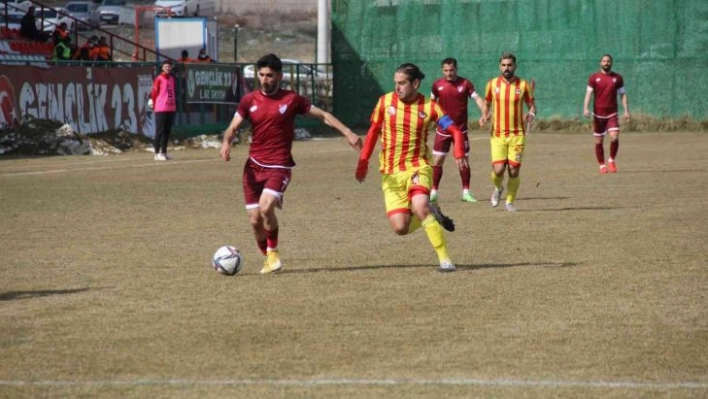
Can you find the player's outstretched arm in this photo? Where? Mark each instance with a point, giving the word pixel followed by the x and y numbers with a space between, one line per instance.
pixel 331 120
pixel 229 136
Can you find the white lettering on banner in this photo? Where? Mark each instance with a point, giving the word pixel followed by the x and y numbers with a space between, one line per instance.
pixel 117 105
pixel 131 123
pixel 83 107
pixel 212 78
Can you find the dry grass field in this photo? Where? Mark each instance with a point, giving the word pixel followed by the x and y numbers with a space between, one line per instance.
pixel 597 287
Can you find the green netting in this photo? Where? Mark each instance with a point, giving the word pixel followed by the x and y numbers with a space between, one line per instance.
pixel 659 46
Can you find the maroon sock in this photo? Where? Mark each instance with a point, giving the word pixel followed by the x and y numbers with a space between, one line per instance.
pixel 263 246
pixel 465 176
pixel 272 238
pixel 614 147
pixel 437 176
pixel 600 154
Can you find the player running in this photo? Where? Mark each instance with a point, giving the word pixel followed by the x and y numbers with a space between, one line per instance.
pixel 267 172
pixel 452 92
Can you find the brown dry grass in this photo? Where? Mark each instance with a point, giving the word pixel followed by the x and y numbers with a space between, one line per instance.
pixel 596 288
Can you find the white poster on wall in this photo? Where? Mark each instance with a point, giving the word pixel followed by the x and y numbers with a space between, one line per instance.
pixel 174 35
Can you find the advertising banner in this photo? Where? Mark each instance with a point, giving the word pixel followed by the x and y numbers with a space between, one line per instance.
pixel 89 99
pixel 210 83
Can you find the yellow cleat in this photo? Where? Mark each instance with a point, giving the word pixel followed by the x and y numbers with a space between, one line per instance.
pixel 272 262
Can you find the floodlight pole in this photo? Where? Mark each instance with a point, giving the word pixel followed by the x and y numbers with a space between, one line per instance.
pixel 323 28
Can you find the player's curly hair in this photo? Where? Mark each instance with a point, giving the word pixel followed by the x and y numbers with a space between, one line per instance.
pixel 411 70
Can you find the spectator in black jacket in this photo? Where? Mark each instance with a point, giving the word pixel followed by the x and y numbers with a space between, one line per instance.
pixel 28 27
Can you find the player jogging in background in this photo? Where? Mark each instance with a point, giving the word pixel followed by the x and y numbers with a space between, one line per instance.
pixel 268 169
pixel 606 85
pixel 452 92
pixel 508 93
pixel 402 119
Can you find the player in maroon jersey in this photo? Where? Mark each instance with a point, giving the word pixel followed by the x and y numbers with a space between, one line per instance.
pixel 452 93
pixel 606 85
pixel 267 171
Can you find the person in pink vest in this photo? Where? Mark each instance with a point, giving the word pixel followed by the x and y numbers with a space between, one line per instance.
pixel 163 102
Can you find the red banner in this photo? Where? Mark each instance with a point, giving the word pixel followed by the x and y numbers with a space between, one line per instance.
pixel 89 99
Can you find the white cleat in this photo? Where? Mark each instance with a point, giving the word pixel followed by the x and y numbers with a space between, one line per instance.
pixel 510 207
pixel 446 266
pixel 496 196
pixel 160 157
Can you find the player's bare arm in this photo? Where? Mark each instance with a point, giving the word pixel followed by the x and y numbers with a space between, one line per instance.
pixel 485 114
pixel 586 103
pixel 625 105
pixel 229 136
pixel 331 120
pixel 531 115
pixel 479 101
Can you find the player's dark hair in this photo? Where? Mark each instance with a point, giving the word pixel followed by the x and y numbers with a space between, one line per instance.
pixel 270 61
pixel 449 61
pixel 507 56
pixel 168 62
pixel 607 55
pixel 412 71
pixel 185 53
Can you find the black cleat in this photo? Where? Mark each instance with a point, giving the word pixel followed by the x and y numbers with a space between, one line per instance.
pixel 444 221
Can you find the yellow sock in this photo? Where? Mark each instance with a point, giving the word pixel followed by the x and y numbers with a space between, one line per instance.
pixel 436 237
pixel 414 225
pixel 513 187
pixel 497 180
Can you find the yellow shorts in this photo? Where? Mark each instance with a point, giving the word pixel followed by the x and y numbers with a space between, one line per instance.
pixel 507 149
pixel 400 187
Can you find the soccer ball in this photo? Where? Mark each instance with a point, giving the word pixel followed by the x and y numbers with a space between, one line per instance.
pixel 227 260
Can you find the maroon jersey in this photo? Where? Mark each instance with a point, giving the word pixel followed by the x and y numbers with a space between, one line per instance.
pixel 453 97
pixel 606 87
pixel 273 124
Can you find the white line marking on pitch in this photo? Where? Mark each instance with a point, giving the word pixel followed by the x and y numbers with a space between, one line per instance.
pixel 44 172
pixel 364 382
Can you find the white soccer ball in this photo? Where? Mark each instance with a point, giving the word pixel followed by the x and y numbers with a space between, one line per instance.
pixel 227 260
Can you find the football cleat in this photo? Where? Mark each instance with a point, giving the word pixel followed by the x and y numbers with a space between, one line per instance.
pixel 611 167
pixel 444 221
pixel 433 196
pixel 272 262
pixel 603 169
pixel 468 197
pixel 510 207
pixel 446 266
pixel 496 196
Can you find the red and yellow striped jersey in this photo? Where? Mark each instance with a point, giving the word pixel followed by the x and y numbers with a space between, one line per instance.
pixel 404 131
pixel 507 98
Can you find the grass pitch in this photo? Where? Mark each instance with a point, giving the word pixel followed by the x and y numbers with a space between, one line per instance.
pixel 595 288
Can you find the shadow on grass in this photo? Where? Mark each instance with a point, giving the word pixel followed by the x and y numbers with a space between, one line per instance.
pixel 14 295
pixel 426 266
pixel 575 208
pixel 629 172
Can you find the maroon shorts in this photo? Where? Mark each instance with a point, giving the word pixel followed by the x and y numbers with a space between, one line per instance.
pixel 257 180
pixel 603 125
pixel 443 141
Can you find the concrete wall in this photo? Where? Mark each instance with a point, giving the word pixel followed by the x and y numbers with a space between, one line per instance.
pixel 250 6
